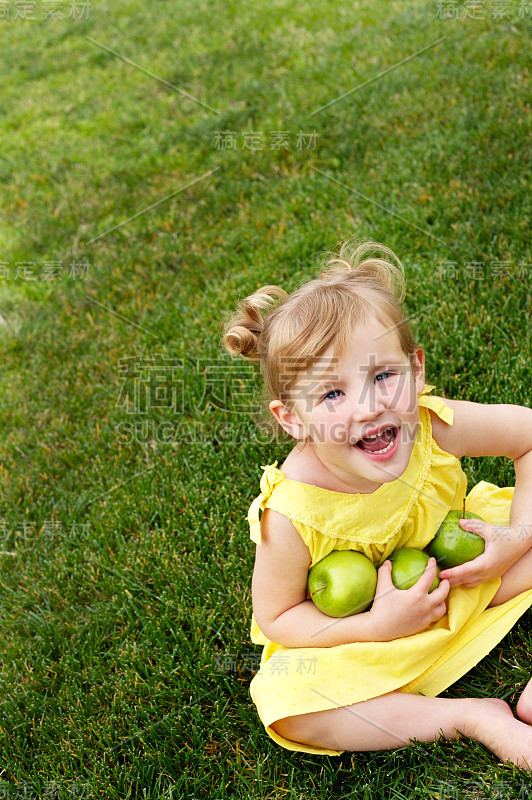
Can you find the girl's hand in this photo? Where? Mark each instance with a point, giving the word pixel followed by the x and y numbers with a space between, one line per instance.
pixel 402 612
pixel 502 549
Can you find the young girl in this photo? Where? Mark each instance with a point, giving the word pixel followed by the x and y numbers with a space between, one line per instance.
pixel 376 467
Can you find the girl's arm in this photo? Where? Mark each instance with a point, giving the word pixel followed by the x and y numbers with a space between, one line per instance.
pixel 493 430
pixel 286 616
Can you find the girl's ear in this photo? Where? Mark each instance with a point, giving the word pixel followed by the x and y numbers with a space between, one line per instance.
pixel 288 420
pixel 418 369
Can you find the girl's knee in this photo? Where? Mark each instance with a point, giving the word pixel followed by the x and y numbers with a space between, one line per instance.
pixel 285 727
pixel 295 729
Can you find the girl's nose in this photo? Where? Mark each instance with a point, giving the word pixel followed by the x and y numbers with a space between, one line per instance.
pixel 368 405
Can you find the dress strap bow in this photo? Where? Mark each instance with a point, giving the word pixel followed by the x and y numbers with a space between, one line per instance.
pixel 270 477
pixel 436 404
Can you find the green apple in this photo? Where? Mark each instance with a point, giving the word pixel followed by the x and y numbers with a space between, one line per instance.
pixel 342 583
pixel 408 565
pixel 452 545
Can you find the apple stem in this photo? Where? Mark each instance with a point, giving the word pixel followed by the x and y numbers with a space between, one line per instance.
pixel 464 509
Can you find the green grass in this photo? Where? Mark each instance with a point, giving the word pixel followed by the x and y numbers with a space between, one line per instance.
pixel 125 577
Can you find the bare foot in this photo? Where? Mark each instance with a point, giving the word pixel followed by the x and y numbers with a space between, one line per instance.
pixel 493 724
pixel 524 704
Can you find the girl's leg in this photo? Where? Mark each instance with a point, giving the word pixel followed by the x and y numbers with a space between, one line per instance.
pixel 516 580
pixel 524 704
pixel 392 720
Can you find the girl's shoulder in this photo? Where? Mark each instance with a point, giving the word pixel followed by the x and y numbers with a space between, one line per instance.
pixel 296 467
pixel 448 431
pixel 442 432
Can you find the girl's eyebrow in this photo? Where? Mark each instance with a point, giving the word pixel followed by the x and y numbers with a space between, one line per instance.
pixel 321 383
pixel 385 364
pixel 318 384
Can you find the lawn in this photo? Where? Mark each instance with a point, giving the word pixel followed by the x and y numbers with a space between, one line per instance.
pixel 158 162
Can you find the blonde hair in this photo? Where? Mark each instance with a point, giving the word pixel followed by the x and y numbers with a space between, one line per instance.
pixel 286 338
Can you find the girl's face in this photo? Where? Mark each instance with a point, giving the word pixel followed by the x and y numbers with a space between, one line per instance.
pixel 359 414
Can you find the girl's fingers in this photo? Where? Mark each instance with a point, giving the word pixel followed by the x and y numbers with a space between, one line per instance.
pixel 441 591
pixel 384 578
pixel 477 526
pixel 440 610
pixel 426 580
pixel 463 571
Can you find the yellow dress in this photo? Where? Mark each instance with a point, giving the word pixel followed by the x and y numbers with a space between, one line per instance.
pixel 403 513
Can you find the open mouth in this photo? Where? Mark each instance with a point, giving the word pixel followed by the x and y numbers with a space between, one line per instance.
pixel 380 444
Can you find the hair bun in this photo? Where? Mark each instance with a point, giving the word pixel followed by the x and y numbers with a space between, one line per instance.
pixel 243 330
pixel 353 258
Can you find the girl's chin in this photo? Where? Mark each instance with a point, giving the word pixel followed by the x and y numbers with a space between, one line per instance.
pixel 384 470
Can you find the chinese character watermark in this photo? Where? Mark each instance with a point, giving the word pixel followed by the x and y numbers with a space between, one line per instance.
pixel 255 141
pixel 477 788
pixel 243 663
pixel 169 401
pixel 278 664
pixel 48 270
pixel 150 383
pixel 45 10
pixel 452 10
pixel 484 270
pixel 21 533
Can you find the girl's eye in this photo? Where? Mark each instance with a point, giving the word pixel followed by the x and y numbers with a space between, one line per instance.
pixel 332 394
pixel 382 376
